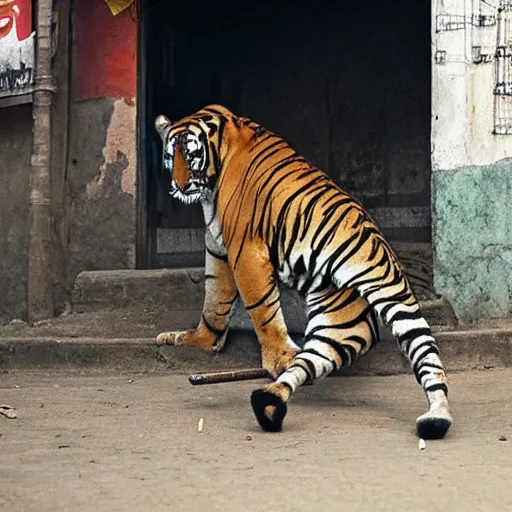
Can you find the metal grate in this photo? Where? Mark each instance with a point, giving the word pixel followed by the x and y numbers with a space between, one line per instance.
pixel 503 71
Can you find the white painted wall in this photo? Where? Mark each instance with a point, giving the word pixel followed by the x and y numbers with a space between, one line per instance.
pixel 463 103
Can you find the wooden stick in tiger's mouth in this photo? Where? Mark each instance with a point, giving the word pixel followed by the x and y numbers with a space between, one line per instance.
pixel 230 376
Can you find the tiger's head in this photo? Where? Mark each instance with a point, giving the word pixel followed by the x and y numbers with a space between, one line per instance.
pixel 192 151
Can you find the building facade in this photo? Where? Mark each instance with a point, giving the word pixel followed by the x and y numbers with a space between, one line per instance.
pixel 471 151
pixel 406 109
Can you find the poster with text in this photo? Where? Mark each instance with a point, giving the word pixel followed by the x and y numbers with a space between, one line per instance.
pixel 16 46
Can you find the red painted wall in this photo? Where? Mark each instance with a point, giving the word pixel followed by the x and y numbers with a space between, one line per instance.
pixel 105 63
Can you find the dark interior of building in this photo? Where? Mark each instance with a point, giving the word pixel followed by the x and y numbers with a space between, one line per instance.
pixel 346 83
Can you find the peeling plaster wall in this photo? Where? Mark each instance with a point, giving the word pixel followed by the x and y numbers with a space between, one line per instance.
pixel 102 159
pixel 94 157
pixel 15 151
pixel 101 180
pixel 119 139
pixel 473 239
pixel 472 166
pixel 119 142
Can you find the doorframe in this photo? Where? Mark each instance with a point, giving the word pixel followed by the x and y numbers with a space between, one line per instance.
pixel 148 234
pixel 144 237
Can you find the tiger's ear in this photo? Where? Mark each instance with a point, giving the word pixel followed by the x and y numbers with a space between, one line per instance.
pixel 162 126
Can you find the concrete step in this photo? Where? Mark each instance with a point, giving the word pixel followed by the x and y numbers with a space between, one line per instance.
pixel 181 291
pixel 460 350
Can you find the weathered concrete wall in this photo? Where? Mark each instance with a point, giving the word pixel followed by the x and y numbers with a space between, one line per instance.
pixel 61 129
pixel 101 174
pixel 15 151
pixel 473 239
pixel 95 145
pixel 93 157
pixel 472 178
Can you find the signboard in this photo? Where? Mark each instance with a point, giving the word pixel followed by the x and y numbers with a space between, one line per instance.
pixel 16 47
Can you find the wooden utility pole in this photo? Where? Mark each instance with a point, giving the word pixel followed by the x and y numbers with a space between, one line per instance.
pixel 40 294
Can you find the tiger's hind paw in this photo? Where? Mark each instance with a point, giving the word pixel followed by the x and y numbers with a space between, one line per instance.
pixel 433 424
pixel 170 338
pixel 269 409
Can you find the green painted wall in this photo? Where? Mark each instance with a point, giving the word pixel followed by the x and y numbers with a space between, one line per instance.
pixel 472 219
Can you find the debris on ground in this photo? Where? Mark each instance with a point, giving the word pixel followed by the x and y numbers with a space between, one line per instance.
pixel 422 444
pixel 17 324
pixel 200 425
pixel 8 411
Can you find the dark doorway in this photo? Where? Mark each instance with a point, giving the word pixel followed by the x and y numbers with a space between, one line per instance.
pixel 347 83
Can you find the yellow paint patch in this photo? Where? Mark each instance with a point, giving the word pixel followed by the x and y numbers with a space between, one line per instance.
pixel 118 6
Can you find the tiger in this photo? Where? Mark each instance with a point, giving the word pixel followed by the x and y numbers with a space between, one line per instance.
pixel 273 217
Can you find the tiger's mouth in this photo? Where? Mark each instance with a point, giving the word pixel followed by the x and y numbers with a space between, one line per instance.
pixel 193 150
pixel 186 194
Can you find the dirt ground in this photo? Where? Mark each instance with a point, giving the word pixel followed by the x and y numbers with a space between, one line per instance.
pixel 103 442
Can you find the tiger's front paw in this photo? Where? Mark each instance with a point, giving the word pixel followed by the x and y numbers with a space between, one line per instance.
pixel 277 361
pixel 170 338
pixel 201 338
